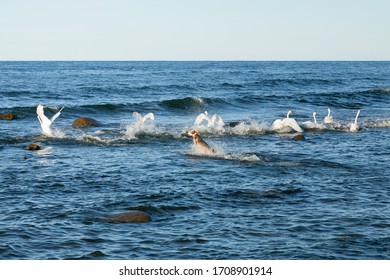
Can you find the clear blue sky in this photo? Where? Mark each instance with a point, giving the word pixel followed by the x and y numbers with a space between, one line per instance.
pixel 194 30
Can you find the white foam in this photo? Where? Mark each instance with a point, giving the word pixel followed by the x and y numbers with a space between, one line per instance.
pixel 56 133
pixel 44 152
pixel 92 139
pixel 378 123
pixel 253 127
pixel 243 157
pixel 140 126
pixel 198 100
pixel 220 154
pixel 198 151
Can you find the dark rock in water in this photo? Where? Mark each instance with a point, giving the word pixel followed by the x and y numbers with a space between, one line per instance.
pixel 85 122
pixel 233 124
pixel 134 216
pixel 299 137
pixel 7 116
pixel 33 147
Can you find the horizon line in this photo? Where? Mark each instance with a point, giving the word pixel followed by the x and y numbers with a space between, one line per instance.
pixel 194 60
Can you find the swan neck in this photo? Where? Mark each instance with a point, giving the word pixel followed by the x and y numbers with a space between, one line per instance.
pixel 357 115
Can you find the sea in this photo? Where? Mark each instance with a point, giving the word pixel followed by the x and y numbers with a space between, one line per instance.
pixel 263 193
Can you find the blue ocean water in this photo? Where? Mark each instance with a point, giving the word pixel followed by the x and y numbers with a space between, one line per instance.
pixel 261 196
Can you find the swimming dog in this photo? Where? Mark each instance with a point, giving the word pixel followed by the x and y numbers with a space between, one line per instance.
pixel 199 142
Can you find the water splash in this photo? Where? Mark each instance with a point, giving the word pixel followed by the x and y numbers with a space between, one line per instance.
pixel 253 127
pixel 57 133
pixel 380 123
pixel 91 139
pixel 221 154
pixel 141 126
pixel 243 157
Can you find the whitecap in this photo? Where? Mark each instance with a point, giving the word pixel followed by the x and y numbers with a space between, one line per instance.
pixel 91 139
pixel 243 157
pixel 253 127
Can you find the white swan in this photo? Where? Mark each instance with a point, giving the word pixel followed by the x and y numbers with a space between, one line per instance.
pixel 328 118
pixel 286 124
pixel 202 117
pixel 354 126
pixel 140 126
pixel 141 119
pixel 311 125
pixel 45 122
pixel 215 121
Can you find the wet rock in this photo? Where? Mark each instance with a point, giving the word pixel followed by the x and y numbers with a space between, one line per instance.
pixel 33 147
pixel 7 116
pixel 233 124
pixel 134 216
pixel 85 122
pixel 299 137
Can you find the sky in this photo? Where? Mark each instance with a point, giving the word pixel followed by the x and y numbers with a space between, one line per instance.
pixel 194 30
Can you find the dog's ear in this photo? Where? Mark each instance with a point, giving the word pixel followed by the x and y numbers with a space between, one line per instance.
pixel 192 132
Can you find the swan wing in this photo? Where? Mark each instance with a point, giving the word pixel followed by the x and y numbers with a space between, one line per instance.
pixel 277 124
pixel 308 125
pixel 200 118
pixel 217 120
pixel 328 119
pixel 45 122
pixel 137 116
pixel 293 124
pixel 148 116
pixel 56 115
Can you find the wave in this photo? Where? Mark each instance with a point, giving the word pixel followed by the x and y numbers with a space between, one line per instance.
pixel 278 82
pixel 238 100
pixel 166 87
pixel 122 88
pixel 193 104
pixel 231 85
pixel 295 82
pixel 187 103
pixel 16 93
pixel 378 91
pixel 346 99
pixel 248 194
pixel 102 107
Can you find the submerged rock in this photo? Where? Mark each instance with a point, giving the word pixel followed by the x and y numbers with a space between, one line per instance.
pixel 7 116
pixel 299 137
pixel 33 147
pixel 134 216
pixel 85 122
